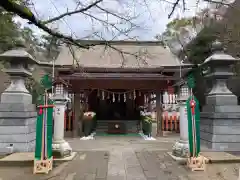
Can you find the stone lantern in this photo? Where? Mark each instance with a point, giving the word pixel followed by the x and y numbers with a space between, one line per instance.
pixel 181 147
pixel 219 121
pixel 20 65
pixel 17 113
pixel 61 148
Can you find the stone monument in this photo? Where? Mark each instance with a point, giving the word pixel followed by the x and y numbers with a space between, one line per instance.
pixel 180 148
pixel 17 113
pixel 220 117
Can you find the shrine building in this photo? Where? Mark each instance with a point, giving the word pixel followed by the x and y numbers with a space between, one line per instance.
pixel 115 81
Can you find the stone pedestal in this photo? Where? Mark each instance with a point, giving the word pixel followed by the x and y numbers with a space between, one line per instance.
pixel 60 147
pixel 17 127
pixel 17 113
pixel 220 117
pixel 180 148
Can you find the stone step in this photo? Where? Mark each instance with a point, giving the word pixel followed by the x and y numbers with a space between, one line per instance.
pixel 27 159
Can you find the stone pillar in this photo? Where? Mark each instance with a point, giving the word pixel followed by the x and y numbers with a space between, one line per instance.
pixel 77 125
pixel 219 124
pixel 17 113
pixel 60 147
pixel 180 148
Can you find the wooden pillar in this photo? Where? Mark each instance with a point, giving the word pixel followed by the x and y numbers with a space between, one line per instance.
pixel 77 113
pixel 149 102
pixel 159 114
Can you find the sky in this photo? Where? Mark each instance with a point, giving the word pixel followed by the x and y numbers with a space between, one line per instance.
pixel 150 17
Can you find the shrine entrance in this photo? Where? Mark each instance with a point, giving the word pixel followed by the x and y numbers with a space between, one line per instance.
pixel 113 106
pixel 116 106
pixel 115 85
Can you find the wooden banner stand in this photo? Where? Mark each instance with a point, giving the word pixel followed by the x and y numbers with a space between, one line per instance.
pixel 198 163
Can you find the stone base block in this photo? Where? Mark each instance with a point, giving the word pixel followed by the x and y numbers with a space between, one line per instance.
pixel 17 107
pixel 17 147
pixel 221 146
pixel 19 97
pixel 180 149
pixel 180 160
pixel 61 149
pixel 17 132
pixel 220 100
pixel 221 133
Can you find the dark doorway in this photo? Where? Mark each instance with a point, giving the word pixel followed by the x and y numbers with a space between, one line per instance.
pixel 114 108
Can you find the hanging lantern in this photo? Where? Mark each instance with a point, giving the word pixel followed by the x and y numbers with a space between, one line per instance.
pixel 145 98
pixel 119 97
pixel 113 97
pixel 170 98
pixel 139 93
pixel 60 87
pixel 176 97
pixel 134 94
pixel 124 97
pixel 98 93
pixel 103 95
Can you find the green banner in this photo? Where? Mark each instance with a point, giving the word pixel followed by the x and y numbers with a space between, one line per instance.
pixel 44 127
pixel 43 149
pixel 193 114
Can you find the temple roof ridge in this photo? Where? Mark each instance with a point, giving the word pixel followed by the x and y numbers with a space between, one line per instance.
pixel 129 54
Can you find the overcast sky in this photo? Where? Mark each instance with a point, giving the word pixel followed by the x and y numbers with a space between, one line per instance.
pixel 152 17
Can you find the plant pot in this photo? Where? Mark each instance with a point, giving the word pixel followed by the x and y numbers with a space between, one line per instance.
pixel 87 127
pixel 147 128
pixel 94 124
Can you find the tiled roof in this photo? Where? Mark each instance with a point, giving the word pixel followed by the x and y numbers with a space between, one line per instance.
pixel 148 55
pixel 17 53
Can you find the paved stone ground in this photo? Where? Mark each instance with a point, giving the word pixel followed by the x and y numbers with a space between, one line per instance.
pixel 123 158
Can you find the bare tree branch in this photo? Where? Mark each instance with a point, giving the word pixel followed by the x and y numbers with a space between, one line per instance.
pixel 116 15
pixel 25 13
pixel 72 51
pixel 72 12
pixel 173 8
pixel 105 22
pixel 218 2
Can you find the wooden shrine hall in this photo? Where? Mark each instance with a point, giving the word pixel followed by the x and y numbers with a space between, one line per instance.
pixel 115 82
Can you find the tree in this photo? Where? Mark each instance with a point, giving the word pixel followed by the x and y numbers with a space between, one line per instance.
pixel 10 35
pixel 97 12
pixel 177 35
pixel 8 31
pixel 173 27
pixel 51 45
